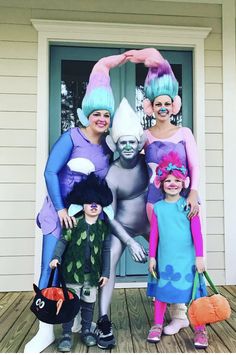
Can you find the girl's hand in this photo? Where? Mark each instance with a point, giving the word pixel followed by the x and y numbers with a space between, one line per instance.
pixel 103 281
pixel 192 201
pixel 152 265
pixel 200 265
pixel 53 263
pixel 65 219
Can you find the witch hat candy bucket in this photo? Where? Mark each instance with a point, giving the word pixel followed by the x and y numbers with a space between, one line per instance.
pixel 55 305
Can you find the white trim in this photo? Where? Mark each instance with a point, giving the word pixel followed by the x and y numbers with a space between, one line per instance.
pixel 130 285
pixel 194 1
pixel 229 129
pixel 113 34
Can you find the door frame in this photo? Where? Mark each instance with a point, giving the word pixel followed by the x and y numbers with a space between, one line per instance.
pixel 121 35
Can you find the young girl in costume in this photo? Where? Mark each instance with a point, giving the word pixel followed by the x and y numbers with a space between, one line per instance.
pixel 84 252
pixel 162 101
pixel 175 249
pixel 76 153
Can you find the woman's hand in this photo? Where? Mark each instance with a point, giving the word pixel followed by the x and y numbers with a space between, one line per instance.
pixel 53 263
pixel 200 265
pixel 65 219
pixel 152 265
pixel 103 281
pixel 151 57
pixel 192 201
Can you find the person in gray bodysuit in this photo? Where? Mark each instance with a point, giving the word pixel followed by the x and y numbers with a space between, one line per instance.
pixel 128 179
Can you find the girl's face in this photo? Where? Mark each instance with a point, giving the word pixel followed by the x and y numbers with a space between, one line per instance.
pixel 172 185
pixel 99 121
pixel 163 107
pixel 92 209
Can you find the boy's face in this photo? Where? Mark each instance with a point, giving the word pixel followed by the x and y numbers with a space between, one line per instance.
pixel 172 185
pixel 92 209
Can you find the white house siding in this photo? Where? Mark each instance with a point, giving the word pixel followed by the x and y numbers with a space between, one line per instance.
pixel 214 156
pixel 18 80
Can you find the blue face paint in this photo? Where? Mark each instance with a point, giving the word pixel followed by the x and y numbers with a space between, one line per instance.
pixel 94 205
pixel 163 110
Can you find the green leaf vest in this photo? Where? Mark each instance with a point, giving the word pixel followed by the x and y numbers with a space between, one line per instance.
pixel 74 256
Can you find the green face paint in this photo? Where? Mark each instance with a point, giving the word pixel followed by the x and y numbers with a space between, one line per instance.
pixel 127 147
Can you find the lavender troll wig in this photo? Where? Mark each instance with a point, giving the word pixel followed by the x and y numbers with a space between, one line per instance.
pixel 98 95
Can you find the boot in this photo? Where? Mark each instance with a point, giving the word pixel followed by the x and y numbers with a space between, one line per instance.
pixel 43 338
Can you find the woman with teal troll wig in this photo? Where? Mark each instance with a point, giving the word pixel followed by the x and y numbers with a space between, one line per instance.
pixel 162 101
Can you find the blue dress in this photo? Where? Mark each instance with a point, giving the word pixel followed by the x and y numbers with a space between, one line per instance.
pixel 175 255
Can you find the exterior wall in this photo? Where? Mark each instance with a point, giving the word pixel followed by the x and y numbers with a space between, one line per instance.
pixel 214 155
pixel 18 80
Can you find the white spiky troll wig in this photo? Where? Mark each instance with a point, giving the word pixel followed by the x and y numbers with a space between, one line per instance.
pixel 126 122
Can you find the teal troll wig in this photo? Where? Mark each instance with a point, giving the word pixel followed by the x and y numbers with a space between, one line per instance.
pixel 160 80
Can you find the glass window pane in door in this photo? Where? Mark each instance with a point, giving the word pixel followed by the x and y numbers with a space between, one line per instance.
pixel 74 79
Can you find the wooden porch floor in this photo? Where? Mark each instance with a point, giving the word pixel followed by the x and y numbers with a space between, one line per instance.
pixel 131 314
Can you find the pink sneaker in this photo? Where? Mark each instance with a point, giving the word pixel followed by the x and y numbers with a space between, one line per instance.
pixel 154 334
pixel 200 339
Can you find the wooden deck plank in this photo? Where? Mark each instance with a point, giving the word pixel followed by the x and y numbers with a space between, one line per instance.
pixel 120 320
pixel 7 300
pixel 231 289
pixel 16 334
pixel 10 316
pixel 131 313
pixel 139 323
pixel 227 336
pixel 2 294
pixel 231 298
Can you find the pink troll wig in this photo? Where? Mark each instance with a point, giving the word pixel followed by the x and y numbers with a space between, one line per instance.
pixel 171 164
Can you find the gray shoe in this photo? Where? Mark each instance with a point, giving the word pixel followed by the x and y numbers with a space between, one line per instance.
pixel 65 343
pixel 89 338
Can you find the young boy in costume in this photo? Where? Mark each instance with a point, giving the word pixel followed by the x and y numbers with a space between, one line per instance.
pixel 84 252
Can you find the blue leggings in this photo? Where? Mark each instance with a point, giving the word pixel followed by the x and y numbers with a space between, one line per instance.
pixel 86 318
pixel 49 243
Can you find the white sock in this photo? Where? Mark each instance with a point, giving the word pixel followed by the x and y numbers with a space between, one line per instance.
pixel 175 325
pixel 77 323
pixel 43 338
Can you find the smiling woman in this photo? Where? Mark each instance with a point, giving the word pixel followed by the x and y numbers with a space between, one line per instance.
pixel 65 167
pixel 98 121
